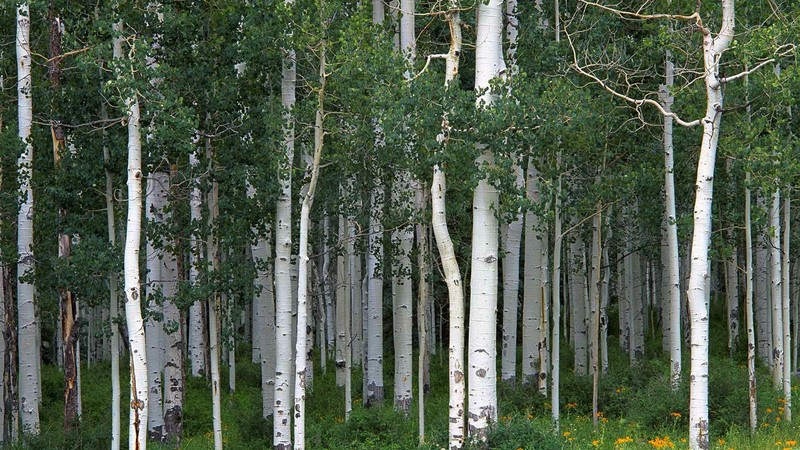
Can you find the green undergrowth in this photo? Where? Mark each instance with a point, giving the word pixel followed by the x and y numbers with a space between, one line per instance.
pixel 638 410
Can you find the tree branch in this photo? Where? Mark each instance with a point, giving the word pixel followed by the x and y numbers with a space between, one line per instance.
pixel 636 101
pixel 428 63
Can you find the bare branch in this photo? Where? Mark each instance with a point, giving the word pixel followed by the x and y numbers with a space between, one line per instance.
pixel 695 17
pixel 428 63
pixel 783 50
pixel 636 101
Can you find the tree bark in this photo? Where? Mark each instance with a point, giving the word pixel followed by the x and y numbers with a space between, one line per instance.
pixel 137 437
pixel 751 339
pixel 282 439
pixel 197 342
pixel 713 48
pixel 27 322
pixel 302 290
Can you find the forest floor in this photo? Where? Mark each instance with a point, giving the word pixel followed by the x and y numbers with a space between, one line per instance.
pixel 639 411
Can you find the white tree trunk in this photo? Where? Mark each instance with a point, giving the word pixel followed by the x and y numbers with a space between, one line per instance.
pixel 330 319
pixel 302 348
pixel 533 289
pixel 356 275
pixel 482 346
pixel 282 438
pixel 604 297
pixel 444 244
pixel 639 290
pixel 214 304
pixel 763 321
pixel 511 247
pixel 672 298
pixel 173 343
pixel 155 197
pixel 786 299
pixel 374 370
pixel 402 300
pixel 265 299
pixel 776 289
pixel 578 285
pixel 27 324
pixel 112 280
pixel 137 436
pixel 342 301
pixel 751 339
pixel 197 342
pixel 556 290
pixel 713 49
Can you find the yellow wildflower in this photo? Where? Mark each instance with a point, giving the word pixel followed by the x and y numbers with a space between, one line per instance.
pixel 623 440
pixel 675 414
pixel 659 442
pixel 721 441
pixel 791 443
pixel 595 442
pixel 567 433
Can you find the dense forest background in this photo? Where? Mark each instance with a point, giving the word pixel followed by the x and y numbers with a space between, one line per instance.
pixel 303 275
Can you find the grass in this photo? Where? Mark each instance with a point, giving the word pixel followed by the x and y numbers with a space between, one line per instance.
pixel 639 411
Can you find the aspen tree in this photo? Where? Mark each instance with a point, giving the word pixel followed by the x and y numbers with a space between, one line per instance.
pixel 444 244
pixel 155 197
pixel 282 438
pixel 751 339
pixel 482 347
pixel 137 436
pixel 302 292
pixel 214 303
pixel 27 322
pixel 374 275
pixel 197 343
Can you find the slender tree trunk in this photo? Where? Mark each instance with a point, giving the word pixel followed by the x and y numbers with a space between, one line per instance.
pixel 511 247
pixel 154 206
pixel 751 339
pixel 197 342
pixel 762 295
pixel 113 279
pixel 27 324
pixel 137 436
pixel 672 298
pixel 214 304
pixel 422 307
pixel 556 341
pixel 262 254
pixel 597 257
pixel 444 244
pixel 173 338
pixel 342 300
pixel 532 287
pixel 302 292
pixel 282 438
pixel 786 299
pixel 775 284
pixel 578 311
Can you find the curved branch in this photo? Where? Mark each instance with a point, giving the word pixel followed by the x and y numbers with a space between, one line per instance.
pixel 636 101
